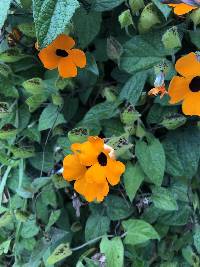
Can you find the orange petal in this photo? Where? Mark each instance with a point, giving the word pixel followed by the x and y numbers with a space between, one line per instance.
pixel 188 65
pixel 191 104
pixel 96 173
pixel 178 88
pixel 78 57
pixel 89 150
pixel 91 191
pixel 49 58
pixel 181 9
pixel 64 42
pixel 114 170
pixel 67 68
pixel 72 168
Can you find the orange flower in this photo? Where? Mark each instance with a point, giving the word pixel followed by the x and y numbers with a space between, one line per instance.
pixel 186 88
pixel 158 90
pixel 181 9
pixel 92 166
pixel 59 54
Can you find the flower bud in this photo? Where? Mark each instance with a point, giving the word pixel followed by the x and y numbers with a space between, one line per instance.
pixel 171 39
pixel 11 55
pixel 114 49
pixel 78 135
pixel 57 99
pixel 148 18
pixel 129 115
pixel 195 16
pixel 140 131
pixel 64 83
pixel 34 86
pixel 109 94
pixel 125 19
pixel 136 5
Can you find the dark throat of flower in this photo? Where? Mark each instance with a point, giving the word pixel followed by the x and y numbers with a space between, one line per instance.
pixel 61 53
pixel 195 84
pixel 102 159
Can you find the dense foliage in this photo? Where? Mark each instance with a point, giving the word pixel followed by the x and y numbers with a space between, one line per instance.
pixel 152 217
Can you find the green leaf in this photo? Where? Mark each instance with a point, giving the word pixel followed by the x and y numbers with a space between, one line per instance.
pixel 105 5
pixel 113 250
pixel 194 36
pixel 138 231
pixel 4 247
pixel 117 208
pixel 151 157
pixel 163 199
pixel 96 225
pixel 50 118
pixel 4 7
pixel 196 238
pixel 5 219
pixel 133 178
pixel 143 52
pixel 101 111
pixel 86 25
pixel 29 228
pixel 35 101
pixel 52 219
pixel 178 217
pixel 51 17
pixel 182 149
pixel 165 9
pixel 61 252
pixel 132 89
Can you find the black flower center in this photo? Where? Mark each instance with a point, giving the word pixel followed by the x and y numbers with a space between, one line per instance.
pixel 102 159
pixel 61 53
pixel 195 84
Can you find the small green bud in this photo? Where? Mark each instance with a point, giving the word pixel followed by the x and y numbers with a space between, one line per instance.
pixel 140 131
pixel 129 115
pixel 21 216
pixel 4 109
pixel 125 19
pixel 34 86
pixel 11 55
pixel 136 5
pixel 114 48
pixel 130 129
pixel 195 16
pixel 8 134
pixel 64 83
pixel 120 144
pixel 173 122
pixel 171 39
pixel 109 93
pixel 148 18
pixel 57 99
pixel 78 135
pixel 161 67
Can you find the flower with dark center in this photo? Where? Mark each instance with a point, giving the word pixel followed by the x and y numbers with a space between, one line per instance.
pixel 61 54
pixel 186 88
pixel 93 167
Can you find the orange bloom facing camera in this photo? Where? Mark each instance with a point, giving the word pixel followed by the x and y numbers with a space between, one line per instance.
pixel 59 54
pixel 93 168
pixel 182 9
pixel 186 88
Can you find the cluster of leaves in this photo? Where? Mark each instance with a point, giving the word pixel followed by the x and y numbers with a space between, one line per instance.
pixel 152 217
